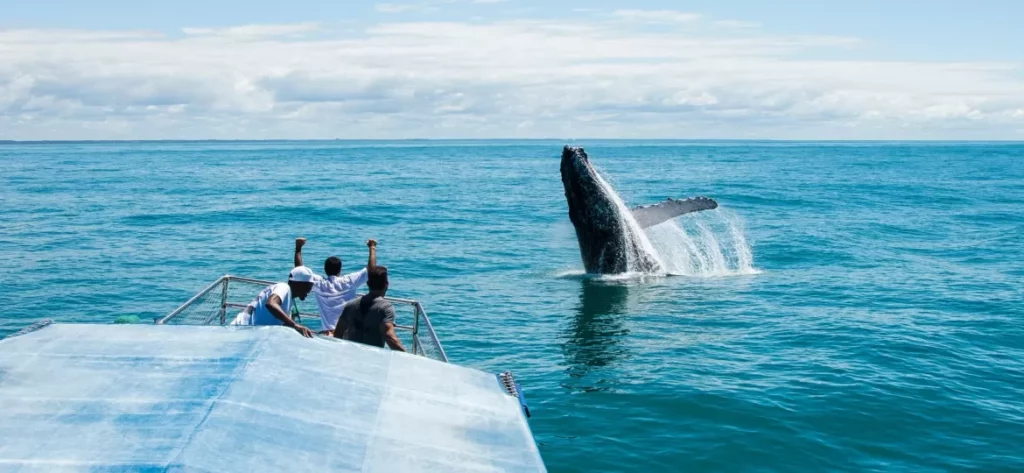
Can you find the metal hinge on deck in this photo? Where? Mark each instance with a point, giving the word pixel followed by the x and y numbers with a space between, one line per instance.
pixel 513 389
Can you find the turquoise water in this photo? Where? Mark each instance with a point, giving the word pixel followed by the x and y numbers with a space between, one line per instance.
pixel 877 325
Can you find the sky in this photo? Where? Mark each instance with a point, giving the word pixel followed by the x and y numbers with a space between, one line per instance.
pixel 639 69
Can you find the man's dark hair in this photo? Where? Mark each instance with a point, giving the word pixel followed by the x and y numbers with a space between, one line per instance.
pixel 377 279
pixel 333 266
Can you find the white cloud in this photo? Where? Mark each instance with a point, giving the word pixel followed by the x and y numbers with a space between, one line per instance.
pixel 516 78
pixel 657 16
pixel 254 31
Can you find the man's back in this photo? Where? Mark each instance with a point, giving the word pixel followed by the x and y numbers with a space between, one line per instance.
pixel 333 292
pixel 256 313
pixel 364 318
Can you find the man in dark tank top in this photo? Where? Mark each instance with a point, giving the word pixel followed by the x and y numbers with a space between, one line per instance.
pixel 370 319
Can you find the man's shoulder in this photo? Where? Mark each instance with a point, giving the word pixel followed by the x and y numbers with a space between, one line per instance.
pixel 356 275
pixel 384 309
pixel 383 304
pixel 352 303
pixel 281 289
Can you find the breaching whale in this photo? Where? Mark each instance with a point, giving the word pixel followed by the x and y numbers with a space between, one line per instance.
pixel 608 244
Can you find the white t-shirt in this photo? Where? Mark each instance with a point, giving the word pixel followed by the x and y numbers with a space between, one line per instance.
pixel 256 313
pixel 333 292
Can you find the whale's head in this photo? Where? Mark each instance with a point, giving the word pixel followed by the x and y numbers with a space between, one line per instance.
pixel 582 184
pixel 593 213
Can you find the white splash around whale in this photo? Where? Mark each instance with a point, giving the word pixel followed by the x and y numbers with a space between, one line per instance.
pixel 705 244
pixel 700 244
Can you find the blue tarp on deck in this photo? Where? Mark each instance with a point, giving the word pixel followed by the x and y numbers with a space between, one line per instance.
pixel 246 399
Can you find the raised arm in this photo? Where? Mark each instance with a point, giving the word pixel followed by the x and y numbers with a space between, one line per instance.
pixel 274 306
pixel 299 243
pixel 372 263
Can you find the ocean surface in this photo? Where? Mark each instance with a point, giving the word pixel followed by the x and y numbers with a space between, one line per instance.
pixel 850 307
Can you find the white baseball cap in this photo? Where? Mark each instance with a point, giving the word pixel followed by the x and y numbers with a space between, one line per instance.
pixel 302 274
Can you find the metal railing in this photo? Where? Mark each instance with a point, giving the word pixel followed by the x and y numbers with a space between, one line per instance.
pixel 214 306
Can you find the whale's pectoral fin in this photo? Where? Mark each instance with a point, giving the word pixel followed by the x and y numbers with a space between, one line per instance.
pixel 651 215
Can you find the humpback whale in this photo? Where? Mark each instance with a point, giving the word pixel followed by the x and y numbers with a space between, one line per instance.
pixel 609 242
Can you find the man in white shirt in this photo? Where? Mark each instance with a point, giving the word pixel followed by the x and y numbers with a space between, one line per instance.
pixel 274 303
pixel 335 290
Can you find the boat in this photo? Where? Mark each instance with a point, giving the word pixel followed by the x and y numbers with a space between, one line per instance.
pixel 191 393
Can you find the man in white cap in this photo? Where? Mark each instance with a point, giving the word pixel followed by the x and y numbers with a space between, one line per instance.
pixel 273 304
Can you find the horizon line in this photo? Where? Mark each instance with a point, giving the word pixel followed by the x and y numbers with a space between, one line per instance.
pixel 568 141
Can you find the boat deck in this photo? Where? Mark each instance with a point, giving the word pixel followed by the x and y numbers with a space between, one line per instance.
pixel 246 399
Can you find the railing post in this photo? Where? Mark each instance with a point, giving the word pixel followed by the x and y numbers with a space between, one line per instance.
pixel 224 300
pixel 432 333
pixel 416 328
